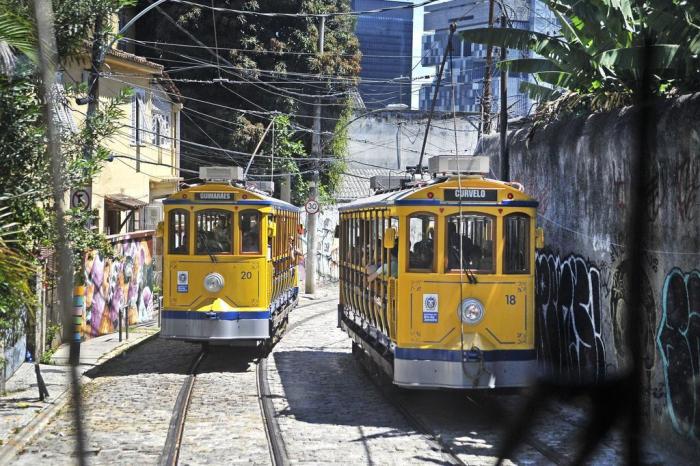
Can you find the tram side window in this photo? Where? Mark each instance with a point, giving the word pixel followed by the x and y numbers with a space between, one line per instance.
pixel 249 222
pixel 214 232
pixel 517 244
pixel 178 232
pixel 472 236
pixel 421 233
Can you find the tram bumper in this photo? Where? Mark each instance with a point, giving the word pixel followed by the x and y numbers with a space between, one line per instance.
pixel 457 369
pixel 208 326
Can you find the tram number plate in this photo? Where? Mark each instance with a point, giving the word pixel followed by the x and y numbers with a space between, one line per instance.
pixel 430 308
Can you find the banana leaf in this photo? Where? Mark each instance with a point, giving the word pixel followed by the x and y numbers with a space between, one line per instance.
pixel 538 92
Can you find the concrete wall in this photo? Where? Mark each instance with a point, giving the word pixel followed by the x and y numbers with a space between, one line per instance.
pixel 13 349
pixel 326 246
pixel 372 138
pixel 579 171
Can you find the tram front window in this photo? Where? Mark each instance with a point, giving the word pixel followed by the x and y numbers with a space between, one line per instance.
pixel 178 229
pixel 421 230
pixel 214 232
pixel 249 223
pixel 470 238
pixel 516 254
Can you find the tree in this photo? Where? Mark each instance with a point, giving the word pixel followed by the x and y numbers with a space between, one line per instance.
pixel 265 64
pixel 25 196
pixel 604 47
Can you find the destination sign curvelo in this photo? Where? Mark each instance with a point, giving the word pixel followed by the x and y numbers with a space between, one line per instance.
pixel 471 194
pixel 213 197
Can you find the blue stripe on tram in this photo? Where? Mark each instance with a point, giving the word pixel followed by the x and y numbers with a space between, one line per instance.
pixel 417 354
pixel 232 315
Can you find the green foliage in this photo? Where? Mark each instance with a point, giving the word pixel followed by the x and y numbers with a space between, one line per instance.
pixel 25 181
pixel 253 44
pixel 339 149
pixel 16 34
pixel 604 48
pixel 287 151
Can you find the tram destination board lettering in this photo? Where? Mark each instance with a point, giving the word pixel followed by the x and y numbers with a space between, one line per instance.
pixel 471 194
pixel 211 196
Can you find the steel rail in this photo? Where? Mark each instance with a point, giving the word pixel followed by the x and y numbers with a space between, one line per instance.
pixel 495 410
pixel 278 451
pixel 418 424
pixel 171 449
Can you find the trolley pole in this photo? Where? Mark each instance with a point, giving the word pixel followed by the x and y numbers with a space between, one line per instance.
pixel 310 269
pixel 505 162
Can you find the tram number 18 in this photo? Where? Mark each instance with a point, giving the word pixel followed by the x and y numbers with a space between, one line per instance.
pixel 510 299
pixel 246 275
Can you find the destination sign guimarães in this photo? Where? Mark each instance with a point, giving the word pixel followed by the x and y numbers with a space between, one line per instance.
pixel 213 196
pixel 471 194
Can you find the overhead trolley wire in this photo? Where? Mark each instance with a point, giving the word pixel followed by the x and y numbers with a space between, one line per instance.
pixel 307 15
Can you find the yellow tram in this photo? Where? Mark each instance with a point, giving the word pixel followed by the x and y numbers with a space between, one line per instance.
pixel 229 271
pixel 437 281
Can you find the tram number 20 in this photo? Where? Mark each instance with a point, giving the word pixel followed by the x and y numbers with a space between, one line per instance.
pixel 246 275
pixel 510 299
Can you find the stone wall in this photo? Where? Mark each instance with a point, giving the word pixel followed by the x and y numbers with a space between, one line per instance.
pixel 579 171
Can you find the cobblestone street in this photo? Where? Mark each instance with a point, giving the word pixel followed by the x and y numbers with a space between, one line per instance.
pixel 126 409
pixel 327 407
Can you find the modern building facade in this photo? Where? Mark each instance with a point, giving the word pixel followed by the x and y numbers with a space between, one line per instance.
pixel 386 42
pixel 469 60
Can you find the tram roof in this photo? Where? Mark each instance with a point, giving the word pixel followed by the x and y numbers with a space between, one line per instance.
pixel 411 196
pixel 252 198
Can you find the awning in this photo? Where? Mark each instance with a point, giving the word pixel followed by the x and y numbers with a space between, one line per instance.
pixel 124 202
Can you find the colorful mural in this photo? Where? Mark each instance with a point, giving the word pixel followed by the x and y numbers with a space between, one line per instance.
pixel 127 281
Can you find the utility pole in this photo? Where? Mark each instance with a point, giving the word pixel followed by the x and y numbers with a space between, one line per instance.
pixel 486 99
pixel 48 58
pixel 505 162
pixel 313 191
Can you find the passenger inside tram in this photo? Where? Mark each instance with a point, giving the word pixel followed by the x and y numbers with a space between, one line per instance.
pixel 250 230
pixel 391 267
pixel 421 250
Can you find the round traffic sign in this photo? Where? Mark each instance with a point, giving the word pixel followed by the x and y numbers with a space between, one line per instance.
pixel 312 207
pixel 80 199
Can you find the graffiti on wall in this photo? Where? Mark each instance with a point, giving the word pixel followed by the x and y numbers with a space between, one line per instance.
pixel 678 342
pixel 124 281
pixel 568 304
pixel 326 245
pixel 647 315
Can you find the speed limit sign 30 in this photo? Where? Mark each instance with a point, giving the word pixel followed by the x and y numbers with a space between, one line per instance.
pixel 312 207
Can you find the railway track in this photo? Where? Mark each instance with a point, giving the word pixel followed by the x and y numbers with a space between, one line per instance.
pixel 278 453
pixel 171 450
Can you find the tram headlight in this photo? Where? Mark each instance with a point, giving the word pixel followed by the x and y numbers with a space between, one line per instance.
pixel 214 282
pixel 471 311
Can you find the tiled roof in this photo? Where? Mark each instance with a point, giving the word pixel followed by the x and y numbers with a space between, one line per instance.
pixel 134 58
pixel 354 183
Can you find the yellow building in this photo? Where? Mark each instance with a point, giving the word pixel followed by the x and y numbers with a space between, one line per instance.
pixel 146 149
